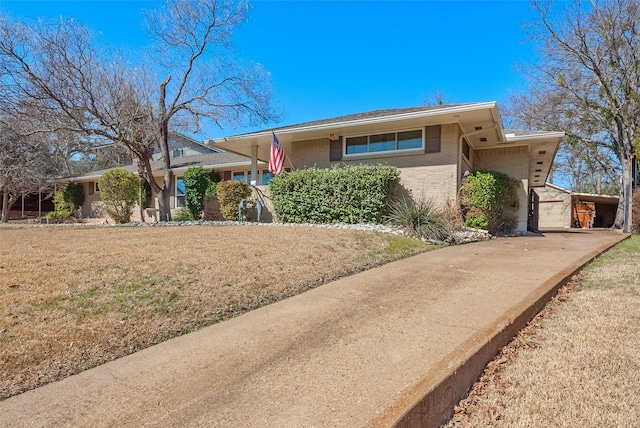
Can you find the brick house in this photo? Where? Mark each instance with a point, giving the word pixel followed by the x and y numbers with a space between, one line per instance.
pixel 432 147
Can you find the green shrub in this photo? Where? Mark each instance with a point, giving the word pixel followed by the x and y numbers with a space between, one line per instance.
pixel 62 209
pixel 197 182
pixel 183 215
pixel 346 194
pixel 230 193
pixel 422 219
pixel 74 194
pixel 119 191
pixel 489 201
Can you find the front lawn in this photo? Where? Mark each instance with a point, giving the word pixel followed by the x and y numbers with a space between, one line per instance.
pixel 73 297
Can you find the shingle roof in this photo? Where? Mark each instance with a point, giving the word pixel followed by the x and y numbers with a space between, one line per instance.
pixel 359 116
pixel 204 160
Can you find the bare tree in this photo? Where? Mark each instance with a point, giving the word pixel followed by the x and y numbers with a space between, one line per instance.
pixel 61 69
pixel 587 79
pixel 436 98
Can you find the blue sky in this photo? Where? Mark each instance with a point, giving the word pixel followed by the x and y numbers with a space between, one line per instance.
pixel 329 58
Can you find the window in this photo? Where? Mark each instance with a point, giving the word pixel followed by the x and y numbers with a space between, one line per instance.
pixel 96 187
pixel 357 145
pixel 466 149
pixel 266 177
pixel 387 142
pixel 238 175
pixel 181 191
pixel 382 142
pixel 410 140
pixel 178 153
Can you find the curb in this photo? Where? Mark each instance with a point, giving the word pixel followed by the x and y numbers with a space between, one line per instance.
pixel 431 401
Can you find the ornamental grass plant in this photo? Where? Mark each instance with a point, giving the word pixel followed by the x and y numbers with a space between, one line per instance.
pixel 421 219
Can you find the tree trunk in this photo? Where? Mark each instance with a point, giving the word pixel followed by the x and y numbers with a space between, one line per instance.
pixel 5 206
pixel 140 191
pixel 164 205
pixel 164 197
pixel 623 214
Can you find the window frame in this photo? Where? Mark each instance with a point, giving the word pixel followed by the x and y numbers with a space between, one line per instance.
pixel 184 202
pixel 384 153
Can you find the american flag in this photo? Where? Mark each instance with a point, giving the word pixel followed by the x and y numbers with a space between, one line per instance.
pixel 276 160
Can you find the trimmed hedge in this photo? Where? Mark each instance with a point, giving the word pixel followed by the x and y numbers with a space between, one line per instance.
pixel 490 201
pixel 347 194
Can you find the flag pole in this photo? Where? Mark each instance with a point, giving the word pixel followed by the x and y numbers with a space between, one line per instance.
pixel 290 163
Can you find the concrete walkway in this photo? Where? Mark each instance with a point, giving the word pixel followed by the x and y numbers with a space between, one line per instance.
pixel 397 344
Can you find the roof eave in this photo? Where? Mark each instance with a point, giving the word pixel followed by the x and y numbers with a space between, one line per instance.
pixel 365 121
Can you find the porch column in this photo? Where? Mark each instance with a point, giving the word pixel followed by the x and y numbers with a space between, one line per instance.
pixel 254 165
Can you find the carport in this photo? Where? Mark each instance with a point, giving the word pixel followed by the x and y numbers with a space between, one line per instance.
pixel 588 210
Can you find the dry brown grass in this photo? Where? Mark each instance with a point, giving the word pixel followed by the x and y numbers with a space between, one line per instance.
pixel 577 363
pixel 75 297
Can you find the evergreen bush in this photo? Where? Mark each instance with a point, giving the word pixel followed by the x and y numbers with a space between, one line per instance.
pixel 74 194
pixel 230 193
pixel 119 191
pixel 198 183
pixel 62 209
pixel 345 194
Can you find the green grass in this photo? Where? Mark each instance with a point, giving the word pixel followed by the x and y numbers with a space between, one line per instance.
pixel 404 246
pixel 630 246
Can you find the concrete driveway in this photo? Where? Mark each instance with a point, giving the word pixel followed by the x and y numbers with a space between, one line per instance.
pixel 398 344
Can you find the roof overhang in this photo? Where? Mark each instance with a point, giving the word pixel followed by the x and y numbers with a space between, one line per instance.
pixel 598 199
pixel 479 123
pixel 543 147
pixel 467 116
pixel 177 169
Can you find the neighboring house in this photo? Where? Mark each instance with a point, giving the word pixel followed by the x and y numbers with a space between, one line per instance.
pixel 183 146
pixel 561 208
pixel 228 165
pixel 432 147
pixel 179 146
pixel 32 205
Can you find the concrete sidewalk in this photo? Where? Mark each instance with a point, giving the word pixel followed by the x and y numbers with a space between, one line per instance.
pixel 396 344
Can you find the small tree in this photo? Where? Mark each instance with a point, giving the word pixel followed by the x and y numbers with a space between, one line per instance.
pixel 119 192
pixel 198 184
pixel 74 194
pixel 62 208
